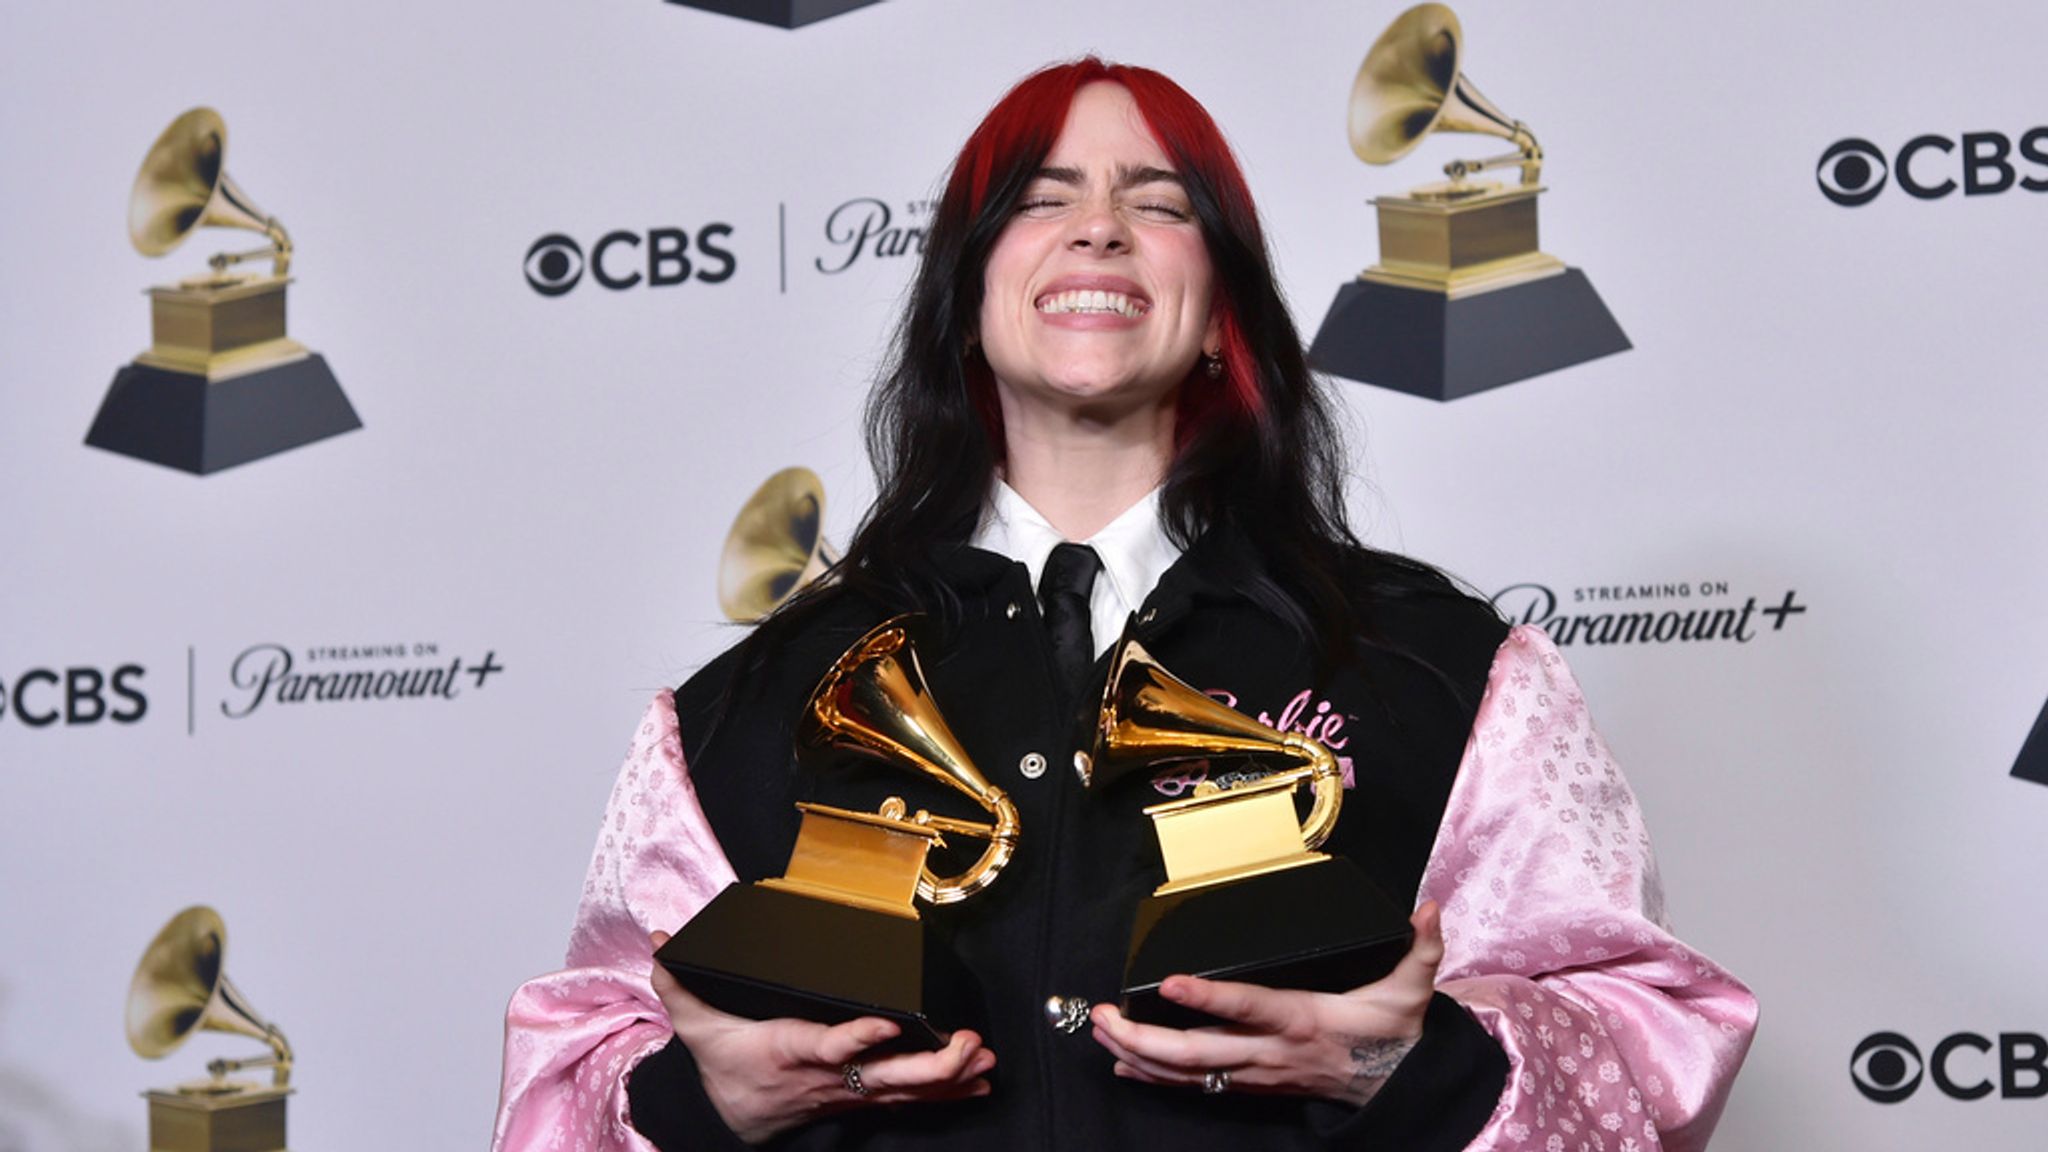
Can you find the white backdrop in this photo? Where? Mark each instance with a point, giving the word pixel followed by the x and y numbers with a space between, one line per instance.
pixel 1844 404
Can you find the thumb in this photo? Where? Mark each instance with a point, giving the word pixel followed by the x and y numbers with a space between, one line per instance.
pixel 1427 951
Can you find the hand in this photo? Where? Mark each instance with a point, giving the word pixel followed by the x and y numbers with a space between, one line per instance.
pixel 1339 1046
pixel 767 1076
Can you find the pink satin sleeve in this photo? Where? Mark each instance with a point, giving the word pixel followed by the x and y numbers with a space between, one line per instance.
pixel 572 1036
pixel 1619 1037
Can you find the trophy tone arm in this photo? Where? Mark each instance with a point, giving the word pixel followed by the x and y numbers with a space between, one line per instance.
pixel 1002 844
pixel 1326 785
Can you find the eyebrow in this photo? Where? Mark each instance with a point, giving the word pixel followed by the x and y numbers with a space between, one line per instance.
pixel 1127 176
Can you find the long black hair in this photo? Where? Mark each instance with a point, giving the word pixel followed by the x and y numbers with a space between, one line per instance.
pixel 1256 449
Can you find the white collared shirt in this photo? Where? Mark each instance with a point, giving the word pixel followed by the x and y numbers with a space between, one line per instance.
pixel 1134 548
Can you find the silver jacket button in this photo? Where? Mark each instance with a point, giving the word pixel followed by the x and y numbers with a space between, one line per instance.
pixel 1066 1013
pixel 1032 766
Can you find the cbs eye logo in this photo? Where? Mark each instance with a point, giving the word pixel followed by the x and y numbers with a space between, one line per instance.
pixel 1853 171
pixel 659 259
pixel 1886 1067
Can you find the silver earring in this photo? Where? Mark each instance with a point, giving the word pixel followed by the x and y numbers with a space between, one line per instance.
pixel 1212 365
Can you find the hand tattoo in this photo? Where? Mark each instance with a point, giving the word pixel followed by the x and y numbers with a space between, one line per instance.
pixel 1373 1059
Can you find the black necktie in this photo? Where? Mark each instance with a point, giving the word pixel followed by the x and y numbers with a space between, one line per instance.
pixel 1063 590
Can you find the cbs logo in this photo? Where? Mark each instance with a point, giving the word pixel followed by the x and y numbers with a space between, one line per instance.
pixel 555 263
pixel 1887 1067
pixel 40 697
pixel 1854 171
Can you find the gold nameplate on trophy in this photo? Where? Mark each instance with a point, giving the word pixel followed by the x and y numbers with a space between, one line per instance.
pixel 1220 835
pixel 837 935
pixel 1416 321
pixel 1247 896
pixel 858 859
pixel 181 987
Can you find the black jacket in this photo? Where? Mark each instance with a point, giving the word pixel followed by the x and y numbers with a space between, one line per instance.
pixel 1057 920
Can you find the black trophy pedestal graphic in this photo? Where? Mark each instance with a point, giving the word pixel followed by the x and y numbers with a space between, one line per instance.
pixel 765 953
pixel 781 13
pixel 182 421
pixel 1322 927
pixel 1439 347
pixel 2033 760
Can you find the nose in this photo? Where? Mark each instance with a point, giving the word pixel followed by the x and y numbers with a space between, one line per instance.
pixel 1099 228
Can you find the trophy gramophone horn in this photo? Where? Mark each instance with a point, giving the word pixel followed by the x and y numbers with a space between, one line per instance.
pixel 1150 716
pixel 875 702
pixel 184 186
pixel 181 987
pixel 776 545
pixel 1411 85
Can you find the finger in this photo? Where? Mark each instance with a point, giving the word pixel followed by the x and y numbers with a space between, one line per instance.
pixel 1417 968
pixel 659 974
pixel 963 1058
pixel 685 1011
pixel 1428 923
pixel 1258 1008
pixel 1174 1051
pixel 965 1090
pixel 1144 1068
pixel 840 1043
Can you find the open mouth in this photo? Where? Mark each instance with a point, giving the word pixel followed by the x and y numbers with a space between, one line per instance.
pixel 1087 301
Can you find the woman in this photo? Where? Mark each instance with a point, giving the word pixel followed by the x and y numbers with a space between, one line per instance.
pixel 1096 351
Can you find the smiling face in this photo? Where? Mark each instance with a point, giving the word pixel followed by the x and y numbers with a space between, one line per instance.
pixel 1098 294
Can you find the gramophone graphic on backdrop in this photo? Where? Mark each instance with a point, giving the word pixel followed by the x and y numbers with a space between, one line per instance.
pixel 181 987
pixel 776 546
pixel 1462 299
pixel 221 383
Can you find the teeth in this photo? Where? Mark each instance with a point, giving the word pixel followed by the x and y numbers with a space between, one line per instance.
pixel 1092 301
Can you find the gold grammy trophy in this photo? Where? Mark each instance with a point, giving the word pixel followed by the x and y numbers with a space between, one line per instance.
pixel 221 384
pixel 181 987
pixel 1247 897
pixel 1463 298
pixel 837 936
pixel 776 546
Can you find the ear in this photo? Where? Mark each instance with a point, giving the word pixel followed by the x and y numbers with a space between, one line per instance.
pixel 1212 336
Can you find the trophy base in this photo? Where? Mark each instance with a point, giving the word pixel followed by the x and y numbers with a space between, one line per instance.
pixel 247 1120
pixel 767 953
pixel 1440 347
pixel 1322 927
pixel 183 421
pixel 781 13
pixel 2033 760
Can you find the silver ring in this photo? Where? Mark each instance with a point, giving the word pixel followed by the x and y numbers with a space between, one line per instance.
pixel 1216 1082
pixel 851 1074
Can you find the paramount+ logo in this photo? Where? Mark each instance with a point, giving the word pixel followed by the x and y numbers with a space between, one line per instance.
pixel 1887 1067
pixel 1929 167
pixel 622 259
